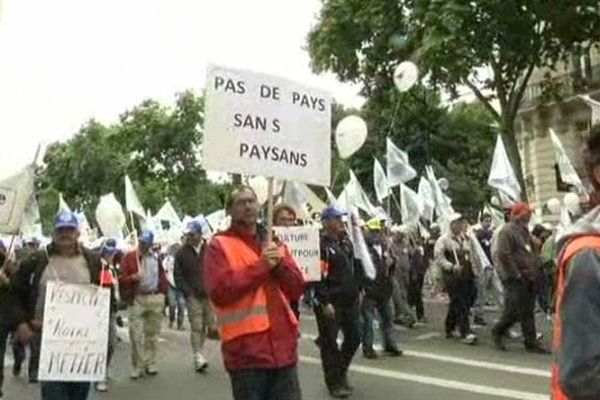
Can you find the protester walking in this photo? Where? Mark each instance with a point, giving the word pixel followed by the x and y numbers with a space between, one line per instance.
pixel 454 256
pixel 251 282
pixel 64 260
pixel 189 278
pixel 577 321
pixel 143 287
pixel 337 302
pixel 518 271
pixel 378 293
pixel 176 296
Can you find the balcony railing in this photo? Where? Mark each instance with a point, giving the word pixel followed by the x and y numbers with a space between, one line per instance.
pixel 560 87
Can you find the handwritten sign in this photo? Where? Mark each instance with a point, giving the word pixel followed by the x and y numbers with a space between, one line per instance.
pixel 75 333
pixel 303 243
pixel 266 126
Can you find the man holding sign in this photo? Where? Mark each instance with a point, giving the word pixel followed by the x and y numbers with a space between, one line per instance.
pixel 64 264
pixel 251 282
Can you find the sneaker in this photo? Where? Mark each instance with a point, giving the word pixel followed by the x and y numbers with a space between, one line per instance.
pixel 539 336
pixel 514 334
pixel 151 370
pixel 393 351
pixel 200 363
pixel 340 393
pixel 369 353
pixel 346 385
pixel 470 339
pixel 102 387
pixel 135 374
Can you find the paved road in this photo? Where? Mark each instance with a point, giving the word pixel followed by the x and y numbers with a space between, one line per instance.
pixel 432 368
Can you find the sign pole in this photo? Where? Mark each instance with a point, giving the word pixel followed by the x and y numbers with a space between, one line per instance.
pixel 270 210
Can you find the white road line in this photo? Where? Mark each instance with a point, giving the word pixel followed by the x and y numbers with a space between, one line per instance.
pixel 427 336
pixel 443 383
pixel 515 369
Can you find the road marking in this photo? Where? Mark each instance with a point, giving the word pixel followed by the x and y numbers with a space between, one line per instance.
pixel 427 336
pixel 443 383
pixel 515 369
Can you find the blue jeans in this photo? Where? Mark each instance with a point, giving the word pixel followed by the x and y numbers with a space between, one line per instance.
pixel 65 390
pixel 176 305
pixel 369 306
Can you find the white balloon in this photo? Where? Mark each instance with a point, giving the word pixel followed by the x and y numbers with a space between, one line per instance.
pixel 110 216
pixel 350 135
pixel 571 202
pixel 406 75
pixel 554 206
pixel 260 185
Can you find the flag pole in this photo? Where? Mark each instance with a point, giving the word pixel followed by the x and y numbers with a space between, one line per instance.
pixel 270 210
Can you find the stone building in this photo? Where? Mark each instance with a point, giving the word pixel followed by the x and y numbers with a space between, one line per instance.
pixel 554 103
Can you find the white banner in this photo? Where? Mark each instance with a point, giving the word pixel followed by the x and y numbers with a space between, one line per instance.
pixel 15 192
pixel 267 126
pixel 75 333
pixel 303 243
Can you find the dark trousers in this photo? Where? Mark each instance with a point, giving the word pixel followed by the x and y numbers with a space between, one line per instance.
pixel 34 356
pixel 415 292
pixel 18 352
pixel 266 384
pixel 336 360
pixel 65 390
pixel 519 305
pixel 460 289
pixel 176 306
pixel 384 309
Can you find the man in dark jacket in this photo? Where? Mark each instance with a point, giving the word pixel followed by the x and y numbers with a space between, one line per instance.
pixel 518 271
pixel 188 275
pixel 65 260
pixel 378 293
pixel 337 302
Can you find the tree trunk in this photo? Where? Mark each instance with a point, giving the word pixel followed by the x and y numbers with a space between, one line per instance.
pixel 512 149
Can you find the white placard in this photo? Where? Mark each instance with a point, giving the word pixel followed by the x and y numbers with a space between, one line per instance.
pixel 75 333
pixel 266 126
pixel 303 243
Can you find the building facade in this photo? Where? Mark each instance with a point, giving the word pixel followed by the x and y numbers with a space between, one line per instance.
pixel 552 101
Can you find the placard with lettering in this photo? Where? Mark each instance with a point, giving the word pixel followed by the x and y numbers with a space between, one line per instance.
pixel 75 333
pixel 303 243
pixel 266 126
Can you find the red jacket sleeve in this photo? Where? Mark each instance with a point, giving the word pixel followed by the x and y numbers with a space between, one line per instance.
pixel 129 269
pixel 289 276
pixel 225 285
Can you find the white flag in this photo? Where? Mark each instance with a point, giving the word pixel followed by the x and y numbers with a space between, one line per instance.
pixel 426 195
pixel 356 196
pixel 15 192
pixel 331 199
pixel 411 206
pixel 216 220
pixel 595 106
pixel 303 199
pixel 31 218
pixel 399 169
pixel 132 202
pixel 502 176
pixel 361 251
pixel 167 213
pixel 380 182
pixel 62 204
pixel 567 172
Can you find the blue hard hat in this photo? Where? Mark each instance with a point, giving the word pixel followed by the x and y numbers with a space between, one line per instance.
pixel 65 219
pixel 332 212
pixel 147 238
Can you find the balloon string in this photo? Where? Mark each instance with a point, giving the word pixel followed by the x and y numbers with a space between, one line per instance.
pixel 394 115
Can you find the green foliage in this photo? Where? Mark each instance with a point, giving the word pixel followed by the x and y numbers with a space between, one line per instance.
pixel 489 46
pixel 158 147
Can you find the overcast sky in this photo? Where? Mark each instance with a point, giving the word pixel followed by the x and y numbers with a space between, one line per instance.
pixel 64 61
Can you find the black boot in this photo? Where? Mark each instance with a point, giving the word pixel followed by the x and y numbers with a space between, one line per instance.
pixel 369 353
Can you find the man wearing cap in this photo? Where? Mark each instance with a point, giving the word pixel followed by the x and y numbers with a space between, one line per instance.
pixel 518 271
pixel 378 293
pixel 251 282
pixel 65 260
pixel 143 287
pixel 189 278
pixel 337 302
pixel 454 255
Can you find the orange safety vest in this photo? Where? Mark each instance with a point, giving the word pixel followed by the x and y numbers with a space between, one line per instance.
pixel 571 250
pixel 250 313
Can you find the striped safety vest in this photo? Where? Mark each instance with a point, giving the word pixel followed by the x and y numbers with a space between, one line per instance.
pixel 249 314
pixel 574 247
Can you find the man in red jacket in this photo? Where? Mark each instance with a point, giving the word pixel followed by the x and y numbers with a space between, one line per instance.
pixel 251 282
pixel 143 286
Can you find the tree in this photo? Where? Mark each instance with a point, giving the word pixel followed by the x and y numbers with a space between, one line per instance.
pixel 491 47
pixel 157 146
